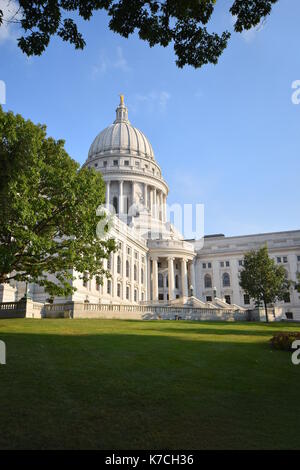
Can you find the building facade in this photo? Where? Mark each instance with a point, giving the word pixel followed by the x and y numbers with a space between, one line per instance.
pixel 154 263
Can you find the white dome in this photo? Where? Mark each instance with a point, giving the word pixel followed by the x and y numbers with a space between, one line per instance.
pixel 121 137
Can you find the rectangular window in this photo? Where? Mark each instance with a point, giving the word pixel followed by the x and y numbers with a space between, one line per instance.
pixel 105 164
pixel 241 262
pixel 209 265
pixel 287 298
pixel 204 265
pixel 227 264
pixel 298 258
pixel 228 299
pixel 285 260
pixel 222 264
pixel 278 259
pixel 246 299
pixel 126 163
pixel 160 297
pixel 116 162
pixel 208 298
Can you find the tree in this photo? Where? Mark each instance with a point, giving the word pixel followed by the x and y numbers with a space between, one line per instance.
pixel 183 23
pixel 47 211
pixel 262 279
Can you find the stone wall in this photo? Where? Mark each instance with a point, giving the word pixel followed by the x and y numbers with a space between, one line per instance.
pixel 21 309
pixel 140 312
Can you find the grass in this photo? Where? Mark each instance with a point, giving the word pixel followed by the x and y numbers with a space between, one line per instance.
pixel 109 384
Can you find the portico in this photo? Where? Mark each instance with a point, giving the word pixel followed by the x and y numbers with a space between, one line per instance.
pixel 172 270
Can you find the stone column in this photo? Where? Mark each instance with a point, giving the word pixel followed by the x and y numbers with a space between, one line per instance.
pixel 132 192
pixel 146 195
pixel 104 287
pixel 155 204
pixel 151 201
pixel 132 277
pixel 184 278
pixel 171 277
pixel 124 255
pixel 155 279
pixel 161 206
pixel 107 197
pixel 114 275
pixel 121 198
pixel 164 208
pixel 148 269
pixel 192 274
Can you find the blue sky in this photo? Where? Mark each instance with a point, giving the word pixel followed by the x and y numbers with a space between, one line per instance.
pixel 227 136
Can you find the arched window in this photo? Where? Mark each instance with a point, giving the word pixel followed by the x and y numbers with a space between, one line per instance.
pixel 119 290
pixel 135 295
pixel 207 281
pixel 142 276
pixel 226 280
pixel 115 204
pixel 127 293
pixel 160 280
pixel 109 286
pixel 135 272
pixel 119 265
pixel 176 282
pixel 127 268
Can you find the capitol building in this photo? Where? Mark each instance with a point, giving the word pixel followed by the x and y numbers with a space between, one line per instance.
pixel 154 264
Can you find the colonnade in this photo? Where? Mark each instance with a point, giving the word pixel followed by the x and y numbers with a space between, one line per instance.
pixel 154 200
pixel 187 272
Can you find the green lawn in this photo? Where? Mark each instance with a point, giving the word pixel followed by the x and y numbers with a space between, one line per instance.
pixel 112 384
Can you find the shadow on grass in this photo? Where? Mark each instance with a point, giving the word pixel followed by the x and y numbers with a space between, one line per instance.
pixel 223 328
pixel 140 391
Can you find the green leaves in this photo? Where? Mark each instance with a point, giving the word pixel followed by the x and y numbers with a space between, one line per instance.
pixel 177 22
pixel 48 210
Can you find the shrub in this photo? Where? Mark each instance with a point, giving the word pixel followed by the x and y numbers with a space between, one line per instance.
pixel 284 341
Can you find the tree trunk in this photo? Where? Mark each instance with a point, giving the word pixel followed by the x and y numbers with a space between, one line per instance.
pixel 266 311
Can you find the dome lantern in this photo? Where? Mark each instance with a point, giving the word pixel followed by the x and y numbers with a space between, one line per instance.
pixel 121 112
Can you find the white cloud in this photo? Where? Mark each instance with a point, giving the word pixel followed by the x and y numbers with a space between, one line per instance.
pixel 152 101
pixel 120 62
pixel 104 64
pixel 11 13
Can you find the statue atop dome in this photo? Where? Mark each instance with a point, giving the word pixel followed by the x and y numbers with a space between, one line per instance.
pixel 121 100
